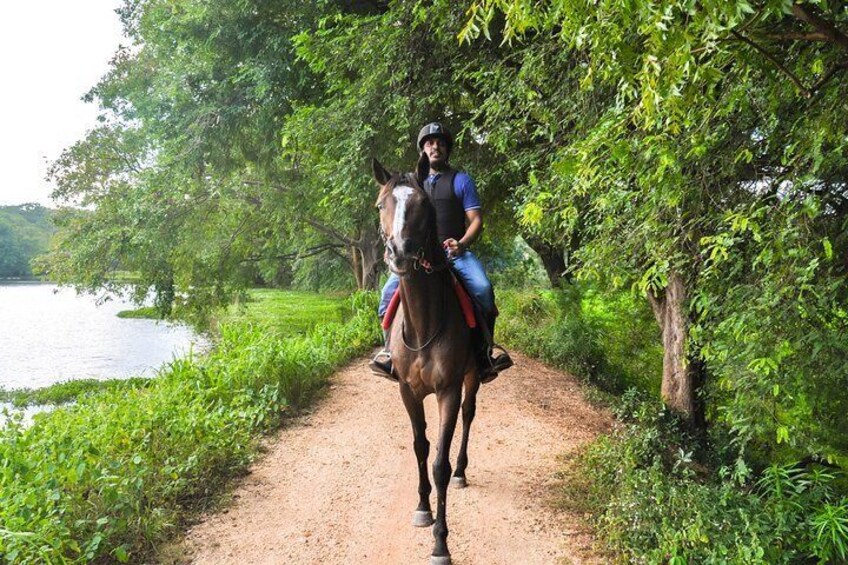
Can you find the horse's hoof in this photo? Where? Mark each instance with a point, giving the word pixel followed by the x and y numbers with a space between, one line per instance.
pixel 458 482
pixel 422 519
pixel 440 560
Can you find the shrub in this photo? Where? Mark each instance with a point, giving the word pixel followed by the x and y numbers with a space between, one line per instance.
pixel 604 339
pixel 655 503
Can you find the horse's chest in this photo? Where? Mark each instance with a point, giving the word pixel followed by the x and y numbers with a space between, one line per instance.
pixel 426 373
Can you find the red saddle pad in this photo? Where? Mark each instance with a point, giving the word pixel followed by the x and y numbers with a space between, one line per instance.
pixel 461 295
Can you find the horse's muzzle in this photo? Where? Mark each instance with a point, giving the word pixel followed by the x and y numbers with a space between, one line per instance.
pixel 401 258
pixel 401 266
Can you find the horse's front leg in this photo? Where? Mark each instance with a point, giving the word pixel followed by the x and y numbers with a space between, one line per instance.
pixel 423 515
pixel 469 409
pixel 448 412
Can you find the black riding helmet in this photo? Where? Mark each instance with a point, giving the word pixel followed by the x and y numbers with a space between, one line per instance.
pixel 435 129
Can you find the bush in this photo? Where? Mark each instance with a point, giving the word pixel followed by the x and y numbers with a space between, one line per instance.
pixel 110 475
pixel 604 339
pixel 654 503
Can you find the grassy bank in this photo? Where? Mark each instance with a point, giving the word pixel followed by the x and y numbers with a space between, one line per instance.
pixel 143 313
pixel 655 493
pixel 288 312
pixel 107 478
pixel 67 391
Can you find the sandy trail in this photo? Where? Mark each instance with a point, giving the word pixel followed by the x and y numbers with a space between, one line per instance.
pixel 339 485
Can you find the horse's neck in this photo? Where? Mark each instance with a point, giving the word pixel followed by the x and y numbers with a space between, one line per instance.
pixel 424 299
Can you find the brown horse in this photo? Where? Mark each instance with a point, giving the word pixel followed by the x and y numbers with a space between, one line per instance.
pixel 430 342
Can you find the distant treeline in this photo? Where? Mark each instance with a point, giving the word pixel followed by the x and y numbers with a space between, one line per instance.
pixel 25 232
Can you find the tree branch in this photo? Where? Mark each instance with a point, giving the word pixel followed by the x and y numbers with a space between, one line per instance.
pixel 278 187
pixel 807 15
pixel 327 230
pixel 798 35
pixel 318 249
pixel 829 75
pixel 795 80
pixel 343 256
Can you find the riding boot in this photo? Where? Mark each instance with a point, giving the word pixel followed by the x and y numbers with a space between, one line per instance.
pixel 381 364
pixel 493 364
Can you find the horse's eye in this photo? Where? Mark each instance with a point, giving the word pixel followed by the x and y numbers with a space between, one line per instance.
pixel 380 205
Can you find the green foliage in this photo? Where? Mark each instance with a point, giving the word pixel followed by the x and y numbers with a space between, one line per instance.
pixel 511 264
pixel 643 141
pixel 779 362
pixel 115 472
pixel 68 391
pixel 25 232
pixel 145 312
pixel 604 338
pixel 183 180
pixel 288 312
pixel 654 503
pixel 705 141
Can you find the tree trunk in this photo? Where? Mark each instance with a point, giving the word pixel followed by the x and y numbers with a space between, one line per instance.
pixel 371 256
pixel 356 265
pixel 553 259
pixel 682 371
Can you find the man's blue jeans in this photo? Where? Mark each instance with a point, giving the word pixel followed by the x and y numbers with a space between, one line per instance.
pixel 470 272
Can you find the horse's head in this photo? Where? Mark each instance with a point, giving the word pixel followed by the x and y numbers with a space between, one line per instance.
pixel 407 219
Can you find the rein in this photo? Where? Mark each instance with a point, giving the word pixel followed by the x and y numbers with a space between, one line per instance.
pixel 429 269
pixel 439 329
pixel 426 265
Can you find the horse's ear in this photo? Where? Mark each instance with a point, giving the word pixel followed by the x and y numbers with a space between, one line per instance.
pixel 422 171
pixel 381 175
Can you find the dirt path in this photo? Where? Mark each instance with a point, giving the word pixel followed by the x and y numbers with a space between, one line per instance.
pixel 339 485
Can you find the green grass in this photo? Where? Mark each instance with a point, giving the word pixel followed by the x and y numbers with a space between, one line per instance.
pixel 145 312
pixel 67 391
pixel 113 475
pixel 288 312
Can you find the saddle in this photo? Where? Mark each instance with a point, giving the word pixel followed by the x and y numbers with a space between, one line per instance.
pixel 490 364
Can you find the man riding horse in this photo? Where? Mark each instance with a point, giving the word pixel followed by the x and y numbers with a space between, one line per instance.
pixel 459 222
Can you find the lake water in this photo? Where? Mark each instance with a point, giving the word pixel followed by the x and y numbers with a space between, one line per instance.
pixel 49 335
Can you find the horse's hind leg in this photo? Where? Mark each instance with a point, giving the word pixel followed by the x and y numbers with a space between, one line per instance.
pixel 448 413
pixel 423 515
pixel 469 408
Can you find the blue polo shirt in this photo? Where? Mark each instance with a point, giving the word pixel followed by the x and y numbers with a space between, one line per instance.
pixel 463 188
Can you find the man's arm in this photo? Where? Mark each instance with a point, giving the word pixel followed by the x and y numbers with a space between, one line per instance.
pixel 474 226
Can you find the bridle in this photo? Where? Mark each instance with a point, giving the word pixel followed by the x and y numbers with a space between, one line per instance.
pixel 419 260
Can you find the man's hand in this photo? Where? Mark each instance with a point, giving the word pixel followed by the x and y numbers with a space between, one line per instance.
pixel 453 247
